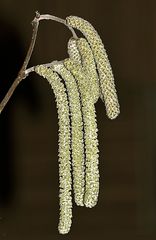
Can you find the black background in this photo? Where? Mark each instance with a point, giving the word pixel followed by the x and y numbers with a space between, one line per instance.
pixel 29 204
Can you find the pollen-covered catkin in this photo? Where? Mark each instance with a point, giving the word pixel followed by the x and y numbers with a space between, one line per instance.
pixel 77 144
pixel 73 51
pixel 64 147
pixel 90 134
pixel 80 52
pixel 107 85
pixel 89 67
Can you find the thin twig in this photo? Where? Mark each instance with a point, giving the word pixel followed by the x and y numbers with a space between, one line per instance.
pixel 23 73
pixel 57 19
pixel 32 69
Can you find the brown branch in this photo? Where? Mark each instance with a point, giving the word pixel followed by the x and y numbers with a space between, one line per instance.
pixel 60 20
pixel 23 73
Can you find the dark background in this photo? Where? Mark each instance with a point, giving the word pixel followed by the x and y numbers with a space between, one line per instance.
pixel 29 204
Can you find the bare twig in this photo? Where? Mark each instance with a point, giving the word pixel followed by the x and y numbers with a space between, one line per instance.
pixel 23 73
pixel 32 69
pixel 57 19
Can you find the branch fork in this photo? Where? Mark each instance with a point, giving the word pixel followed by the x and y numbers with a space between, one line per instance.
pixel 24 72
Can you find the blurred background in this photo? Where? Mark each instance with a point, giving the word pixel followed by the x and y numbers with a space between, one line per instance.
pixel 29 204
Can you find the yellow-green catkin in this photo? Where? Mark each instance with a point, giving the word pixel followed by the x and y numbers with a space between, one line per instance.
pixel 89 67
pixel 80 52
pixel 64 147
pixel 73 50
pixel 77 144
pixel 90 134
pixel 107 85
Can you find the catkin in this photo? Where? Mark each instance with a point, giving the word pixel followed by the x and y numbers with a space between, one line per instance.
pixel 73 51
pixel 89 67
pixel 64 147
pixel 77 144
pixel 107 85
pixel 80 52
pixel 90 134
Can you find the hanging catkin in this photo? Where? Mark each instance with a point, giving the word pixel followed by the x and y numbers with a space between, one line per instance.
pixel 107 84
pixel 73 51
pixel 77 144
pixel 64 147
pixel 90 134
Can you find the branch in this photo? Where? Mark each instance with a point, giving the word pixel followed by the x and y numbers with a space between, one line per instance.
pixel 60 20
pixel 32 69
pixel 23 73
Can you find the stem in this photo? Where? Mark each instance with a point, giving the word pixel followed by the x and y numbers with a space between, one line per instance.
pixel 60 20
pixel 23 73
pixel 32 69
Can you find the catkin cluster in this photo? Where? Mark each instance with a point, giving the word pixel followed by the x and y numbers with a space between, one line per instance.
pixel 77 83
